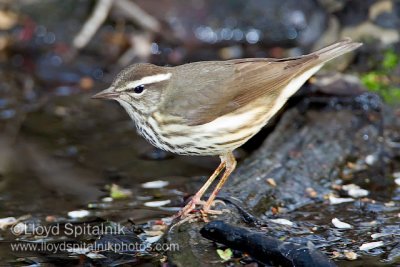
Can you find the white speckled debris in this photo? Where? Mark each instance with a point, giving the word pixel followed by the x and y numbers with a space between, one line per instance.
pixel 155 184
pixel 354 190
pixel 370 159
pixel 379 235
pixel 341 225
pixel 78 213
pixel 154 204
pixel 371 245
pixel 350 255
pixel 94 255
pixel 107 199
pixel 339 200
pixel 282 221
pixel 8 221
pixel 79 251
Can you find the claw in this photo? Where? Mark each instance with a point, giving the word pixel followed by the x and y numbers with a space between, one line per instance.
pixel 185 213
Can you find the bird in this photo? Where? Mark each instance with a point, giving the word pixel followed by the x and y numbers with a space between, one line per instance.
pixel 210 108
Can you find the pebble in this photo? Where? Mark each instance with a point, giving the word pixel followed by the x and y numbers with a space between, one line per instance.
pixel 79 251
pixel 154 233
pixel 371 245
pixel 379 235
pixel 155 184
pixel 155 204
pixel 370 159
pixel 282 221
pixel 271 182
pixel 107 199
pixel 350 255
pixel 338 200
pixel 8 221
pixel 93 255
pixel 355 191
pixel 78 213
pixel 311 192
pixel 341 225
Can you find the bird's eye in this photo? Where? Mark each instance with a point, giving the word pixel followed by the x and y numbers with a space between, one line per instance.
pixel 138 89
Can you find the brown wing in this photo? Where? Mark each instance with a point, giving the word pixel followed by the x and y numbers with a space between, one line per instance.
pixel 213 89
pixel 258 78
pixel 207 90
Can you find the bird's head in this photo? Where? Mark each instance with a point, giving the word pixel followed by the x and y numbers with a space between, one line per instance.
pixel 138 88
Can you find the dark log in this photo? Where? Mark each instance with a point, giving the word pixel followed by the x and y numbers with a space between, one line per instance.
pixel 267 250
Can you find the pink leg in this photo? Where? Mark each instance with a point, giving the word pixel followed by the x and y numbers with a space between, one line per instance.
pixel 230 161
pixel 196 198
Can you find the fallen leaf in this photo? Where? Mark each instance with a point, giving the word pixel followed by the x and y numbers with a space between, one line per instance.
pixel 117 192
pixel 226 254
pixel 350 255
pixel 271 182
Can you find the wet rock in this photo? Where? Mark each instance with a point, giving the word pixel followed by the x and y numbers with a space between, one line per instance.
pixel 193 249
pixel 305 150
pixel 339 84
pixel 394 254
pixel 306 171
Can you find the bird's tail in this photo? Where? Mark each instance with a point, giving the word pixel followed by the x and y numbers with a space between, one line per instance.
pixel 337 49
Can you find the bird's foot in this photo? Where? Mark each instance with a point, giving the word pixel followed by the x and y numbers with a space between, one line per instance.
pixel 186 213
pixel 206 209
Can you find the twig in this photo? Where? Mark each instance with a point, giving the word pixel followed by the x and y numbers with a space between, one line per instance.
pixel 138 15
pixel 90 27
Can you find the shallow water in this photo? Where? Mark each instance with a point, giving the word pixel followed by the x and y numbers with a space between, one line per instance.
pixel 64 154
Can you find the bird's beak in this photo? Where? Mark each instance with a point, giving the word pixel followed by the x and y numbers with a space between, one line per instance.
pixel 108 93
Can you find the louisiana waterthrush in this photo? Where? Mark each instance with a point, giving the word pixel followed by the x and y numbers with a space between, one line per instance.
pixel 212 107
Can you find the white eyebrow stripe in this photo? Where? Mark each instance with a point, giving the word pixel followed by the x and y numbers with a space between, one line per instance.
pixel 148 80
